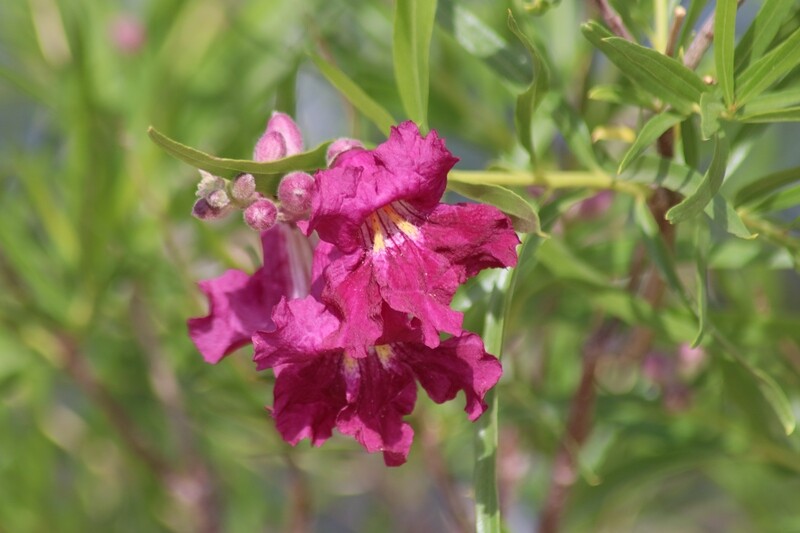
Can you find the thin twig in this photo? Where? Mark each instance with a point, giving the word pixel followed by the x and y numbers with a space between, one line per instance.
pixel 696 50
pixel 613 19
pixel 678 16
pixel 579 424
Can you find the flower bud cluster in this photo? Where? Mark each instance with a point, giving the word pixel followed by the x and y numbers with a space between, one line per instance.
pixel 218 197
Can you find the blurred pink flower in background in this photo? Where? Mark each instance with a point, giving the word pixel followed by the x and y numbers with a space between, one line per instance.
pixel 128 33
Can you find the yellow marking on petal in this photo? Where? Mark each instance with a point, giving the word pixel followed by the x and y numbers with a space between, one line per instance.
pixel 350 365
pixel 384 352
pixel 378 239
pixel 404 225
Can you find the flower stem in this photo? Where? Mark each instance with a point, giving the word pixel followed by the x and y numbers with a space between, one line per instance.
pixel 487 508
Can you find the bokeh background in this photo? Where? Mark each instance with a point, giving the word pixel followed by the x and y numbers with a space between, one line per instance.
pixel 111 421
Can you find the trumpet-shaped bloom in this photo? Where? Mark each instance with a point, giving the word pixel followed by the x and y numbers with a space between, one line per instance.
pixel 394 244
pixel 240 304
pixel 319 386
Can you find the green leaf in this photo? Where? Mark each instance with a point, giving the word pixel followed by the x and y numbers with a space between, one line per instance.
pixel 268 174
pixel 774 101
pixel 697 201
pixel 413 29
pixel 693 13
pixel 787 114
pixel 649 133
pixel 724 41
pixel 690 142
pixel 777 399
pixel 618 94
pixel 762 31
pixel 355 95
pixel 576 133
pixel 763 186
pixel 523 216
pixel 784 199
pixel 529 100
pixel 651 170
pixel 710 111
pixel 481 41
pixel 701 248
pixel 769 69
pixel 661 76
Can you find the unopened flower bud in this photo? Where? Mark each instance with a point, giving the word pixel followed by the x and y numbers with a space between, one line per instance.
pixel 294 193
pixel 218 199
pixel 270 146
pixel 339 146
pixel 205 211
pixel 243 188
pixel 284 124
pixel 208 184
pixel 261 215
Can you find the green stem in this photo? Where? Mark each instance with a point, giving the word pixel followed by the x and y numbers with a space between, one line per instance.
pixel 487 508
pixel 551 180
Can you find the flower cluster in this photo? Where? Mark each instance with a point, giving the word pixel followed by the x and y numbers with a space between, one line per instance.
pixel 350 313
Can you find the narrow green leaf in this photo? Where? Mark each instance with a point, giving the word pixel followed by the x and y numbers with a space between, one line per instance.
pixel 774 101
pixel 777 400
pixel 413 29
pixel 701 248
pixel 657 249
pixel 756 393
pixel 693 13
pixel 696 202
pixel 481 41
pixel 724 41
pixel 762 31
pixel 618 94
pixel 529 100
pixel 710 111
pixel 788 114
pixel 557 257
pixel 763 186
pixel 650 132
pixel 355 95
pixel 769 69
pixel 783 199
pixel 523 216
pixel 661 76
pixel 487 509
pixel 652 170
pixel 576 133
pixel 268 174
pixel 690 142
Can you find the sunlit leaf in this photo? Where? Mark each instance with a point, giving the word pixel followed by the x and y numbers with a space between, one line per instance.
pixel 724 40
pixel 269 173
pixel 520 212
pixel 697 201
pixel 529 100
pixel 661 76
pixel 765 185
pixel 649 133
pixel 762 31
pixel 760 75
pixel 413 29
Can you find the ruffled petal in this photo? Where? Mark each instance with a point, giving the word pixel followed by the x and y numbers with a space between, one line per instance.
pixel 471 236
pixel 308 397
pixel 240 305
pixel 379 395
pixel 458 364
pixel 406 167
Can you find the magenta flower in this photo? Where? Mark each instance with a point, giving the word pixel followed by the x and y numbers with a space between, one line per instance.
pixel 394 244
pixel 320 385
pixel 241 304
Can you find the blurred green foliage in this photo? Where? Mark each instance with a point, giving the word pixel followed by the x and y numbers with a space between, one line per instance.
pixel 110 420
